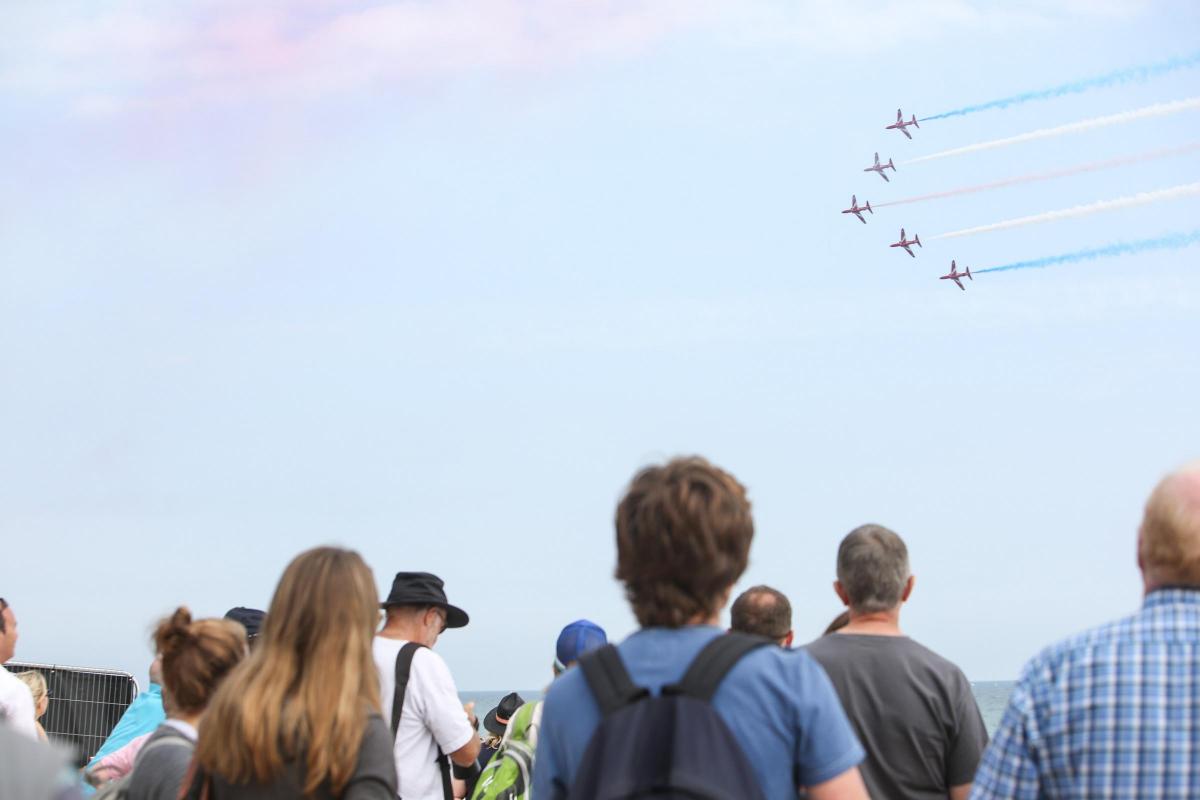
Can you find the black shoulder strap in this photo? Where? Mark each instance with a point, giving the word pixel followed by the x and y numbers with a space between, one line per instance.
pixel 403 668
pixel 609 680
pixel 713 664
pixel 404 661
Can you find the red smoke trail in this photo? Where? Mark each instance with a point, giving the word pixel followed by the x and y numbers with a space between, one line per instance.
pixel 1045 176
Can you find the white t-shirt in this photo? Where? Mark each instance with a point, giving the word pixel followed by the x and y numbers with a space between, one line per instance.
pixel 16 705
pixel 432 715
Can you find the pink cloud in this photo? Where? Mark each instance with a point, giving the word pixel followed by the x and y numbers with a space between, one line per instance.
pixel 229 51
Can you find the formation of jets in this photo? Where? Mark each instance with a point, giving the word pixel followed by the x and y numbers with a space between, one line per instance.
pixel 901 125
pixel 905 243
pixel 857 210
pixel 908 243
pixel 877 167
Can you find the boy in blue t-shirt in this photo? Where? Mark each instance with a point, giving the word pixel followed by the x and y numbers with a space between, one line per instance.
pixel 683 540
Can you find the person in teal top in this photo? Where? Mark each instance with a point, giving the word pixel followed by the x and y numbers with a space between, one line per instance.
pixel 144 714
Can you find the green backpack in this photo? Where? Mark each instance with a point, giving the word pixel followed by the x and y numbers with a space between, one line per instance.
pixel 509 775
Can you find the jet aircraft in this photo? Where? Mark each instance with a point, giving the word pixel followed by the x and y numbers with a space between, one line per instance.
pixel 857 210
pixel 908 243
pixel 955 275
pixel 901 125
pixel 877 167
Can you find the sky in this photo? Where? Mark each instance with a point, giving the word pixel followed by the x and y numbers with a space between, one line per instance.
pixel 432 280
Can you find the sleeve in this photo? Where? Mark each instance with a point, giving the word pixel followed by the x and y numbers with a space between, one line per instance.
pixel 437 701
pixel 374 777
pixel 548 780
pixel 825 742
pixel 1009 767
pixel 17 705
pixel 970 736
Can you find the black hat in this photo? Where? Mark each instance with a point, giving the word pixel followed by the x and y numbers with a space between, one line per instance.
pixel 497 719
pixel 250 618
pixel 424 589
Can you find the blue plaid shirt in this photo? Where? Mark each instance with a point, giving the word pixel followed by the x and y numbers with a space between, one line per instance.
pixel 1111 713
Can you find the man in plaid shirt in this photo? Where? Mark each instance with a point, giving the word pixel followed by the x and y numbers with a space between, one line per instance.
pixel 1115 712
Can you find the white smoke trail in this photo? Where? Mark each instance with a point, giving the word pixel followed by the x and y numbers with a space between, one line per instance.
pixel 1045 176
pixel 1140 199
pixel 1156 110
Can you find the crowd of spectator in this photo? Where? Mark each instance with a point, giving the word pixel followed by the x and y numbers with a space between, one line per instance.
pixel 331 693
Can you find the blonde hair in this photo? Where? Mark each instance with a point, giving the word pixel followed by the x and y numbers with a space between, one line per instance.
pixel 1169 540
pixel 305 692
pixel 36 683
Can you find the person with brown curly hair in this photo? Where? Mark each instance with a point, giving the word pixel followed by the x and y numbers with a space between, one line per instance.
pixel 683 533
pixel 196 657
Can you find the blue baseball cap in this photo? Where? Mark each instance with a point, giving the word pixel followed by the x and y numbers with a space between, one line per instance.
pixel 576 639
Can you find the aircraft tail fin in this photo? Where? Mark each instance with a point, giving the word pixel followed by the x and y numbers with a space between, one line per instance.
pixel 869 207
pixel 890 164
pixel 968 269
pixel 918 241
pixel 914 121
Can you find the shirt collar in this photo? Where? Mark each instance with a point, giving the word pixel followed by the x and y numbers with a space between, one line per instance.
pixel 1170 595
pixel 183 727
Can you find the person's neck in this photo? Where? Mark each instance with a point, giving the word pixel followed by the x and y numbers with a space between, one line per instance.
pixel 875 623
pixel 401 630
pixel 190 719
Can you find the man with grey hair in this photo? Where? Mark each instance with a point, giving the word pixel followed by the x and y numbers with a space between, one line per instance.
pixel 913 710
pixel 763 611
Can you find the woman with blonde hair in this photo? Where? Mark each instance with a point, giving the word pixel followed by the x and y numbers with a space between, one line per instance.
pixel 300 718
pixel 196 656
pixel 41 698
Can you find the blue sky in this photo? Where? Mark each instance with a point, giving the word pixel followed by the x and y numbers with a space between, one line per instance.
pixel 432 280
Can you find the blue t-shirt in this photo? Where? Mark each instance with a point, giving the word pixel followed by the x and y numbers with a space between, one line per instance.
pixel 778 703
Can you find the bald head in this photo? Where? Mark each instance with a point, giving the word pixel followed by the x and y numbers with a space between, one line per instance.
pixel 763 611
pixel 1169 539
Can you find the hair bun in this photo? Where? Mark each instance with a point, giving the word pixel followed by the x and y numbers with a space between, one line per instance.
pixel 173 631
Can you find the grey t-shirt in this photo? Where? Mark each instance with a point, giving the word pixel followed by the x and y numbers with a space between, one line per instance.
pixel 374 776
pixel 913 711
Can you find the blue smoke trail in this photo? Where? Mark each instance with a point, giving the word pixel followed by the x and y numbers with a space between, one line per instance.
pixel 1172 241
pixel 1128 75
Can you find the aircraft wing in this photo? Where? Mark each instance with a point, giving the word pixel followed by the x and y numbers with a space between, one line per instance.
pixel 906 133
pixel 883 175
pixel 959 284
pixel 860 217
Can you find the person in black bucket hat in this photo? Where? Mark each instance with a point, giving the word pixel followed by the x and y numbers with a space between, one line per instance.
pixel 429 724
pixel 424 589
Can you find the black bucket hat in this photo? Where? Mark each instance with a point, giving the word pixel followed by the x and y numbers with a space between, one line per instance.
pixel 497 719
pixel 424 589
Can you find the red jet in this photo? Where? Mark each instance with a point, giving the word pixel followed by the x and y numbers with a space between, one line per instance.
pixel 877 167
pixel 900 124
pixel 908 243
pixel 955 275
pixel 857 210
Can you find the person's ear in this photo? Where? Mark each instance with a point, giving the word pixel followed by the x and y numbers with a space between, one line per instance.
pixel 908 587
pixel 787 640
pixel 841 593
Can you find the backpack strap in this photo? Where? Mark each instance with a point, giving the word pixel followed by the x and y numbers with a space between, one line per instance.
pixel 609 680
pixel 404 661
pixel 713 664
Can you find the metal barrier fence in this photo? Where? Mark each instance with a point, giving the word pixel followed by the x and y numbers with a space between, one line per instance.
pixel 85 704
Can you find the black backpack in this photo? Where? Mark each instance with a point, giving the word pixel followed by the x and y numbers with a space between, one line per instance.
pixel 673 745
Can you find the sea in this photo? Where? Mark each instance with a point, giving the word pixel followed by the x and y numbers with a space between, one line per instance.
pixel 991 696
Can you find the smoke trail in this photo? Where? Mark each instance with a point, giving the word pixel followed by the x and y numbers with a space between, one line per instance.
pixel 1045 176
pixel 1140 199
pixel 1172 241
pixel 1128 75
pixel 1156 110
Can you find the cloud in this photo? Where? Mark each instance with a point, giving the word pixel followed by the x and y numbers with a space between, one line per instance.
pixel 164 55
